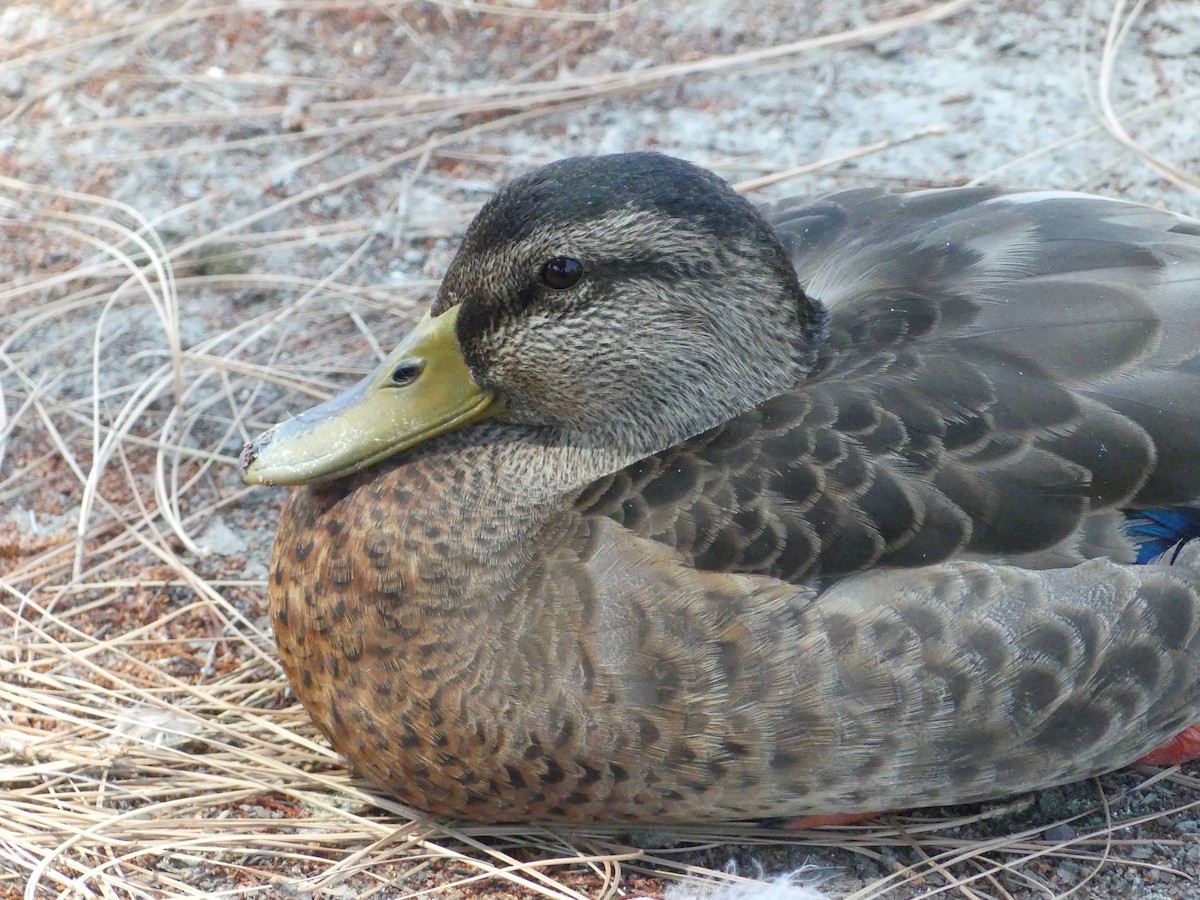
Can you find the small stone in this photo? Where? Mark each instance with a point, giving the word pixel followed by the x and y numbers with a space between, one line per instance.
pixel 1059 833
pixel 255 571
pixel 222 540
pixel 1176 46
pixel 1141 851
pixel 1068 872
pixel 12 85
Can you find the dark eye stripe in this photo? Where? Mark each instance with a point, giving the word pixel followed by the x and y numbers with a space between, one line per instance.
pixel 561 273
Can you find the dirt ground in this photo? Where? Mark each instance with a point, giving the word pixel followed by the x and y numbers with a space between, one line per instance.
pixel 211 214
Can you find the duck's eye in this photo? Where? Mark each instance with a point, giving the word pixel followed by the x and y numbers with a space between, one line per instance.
pixel 407 372
pixel 561 273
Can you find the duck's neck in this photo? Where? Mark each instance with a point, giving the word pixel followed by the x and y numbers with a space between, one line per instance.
pixel 475 508
pixel 513 474
pixel 533 467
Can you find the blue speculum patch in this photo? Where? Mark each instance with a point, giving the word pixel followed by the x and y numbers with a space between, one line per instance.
pixel 1159 531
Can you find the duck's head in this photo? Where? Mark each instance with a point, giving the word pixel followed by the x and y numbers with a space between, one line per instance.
pixel 629 301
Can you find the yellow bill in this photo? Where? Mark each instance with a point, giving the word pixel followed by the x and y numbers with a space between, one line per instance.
pixel 421 390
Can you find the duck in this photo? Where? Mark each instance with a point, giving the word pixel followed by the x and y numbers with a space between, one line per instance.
pixel 679 509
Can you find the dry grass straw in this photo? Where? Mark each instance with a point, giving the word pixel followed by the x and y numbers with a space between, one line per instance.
pixel 148 746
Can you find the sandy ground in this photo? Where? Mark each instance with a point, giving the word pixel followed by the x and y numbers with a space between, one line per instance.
pixel 212 214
